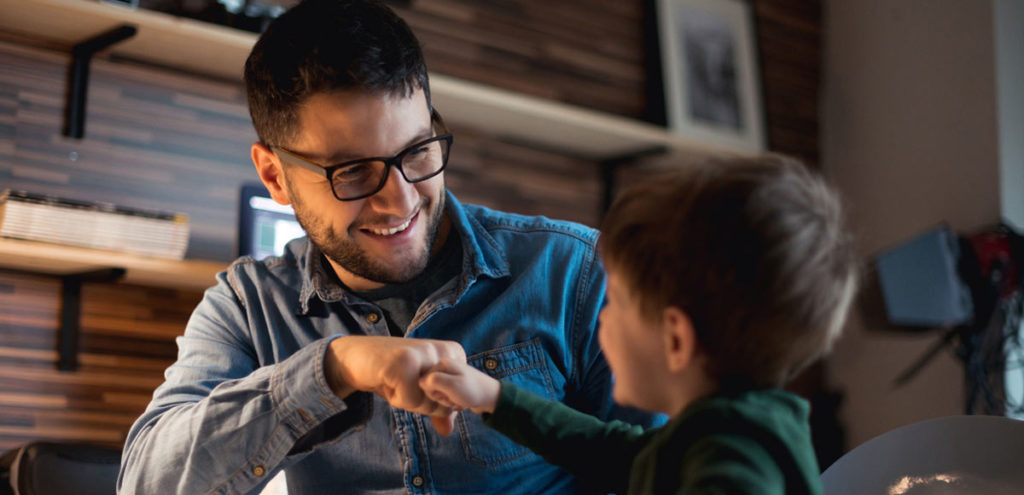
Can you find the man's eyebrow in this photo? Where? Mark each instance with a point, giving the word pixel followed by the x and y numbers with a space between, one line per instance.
pixel 347 157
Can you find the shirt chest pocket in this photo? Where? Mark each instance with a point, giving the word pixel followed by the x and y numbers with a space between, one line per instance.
pixel 524 365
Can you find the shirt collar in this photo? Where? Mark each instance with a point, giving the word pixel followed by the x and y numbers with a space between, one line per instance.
pixel 481 256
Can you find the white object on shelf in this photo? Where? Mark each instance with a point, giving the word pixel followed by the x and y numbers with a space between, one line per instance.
pixel 93 225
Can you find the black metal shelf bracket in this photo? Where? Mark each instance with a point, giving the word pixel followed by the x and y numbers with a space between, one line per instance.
pixel 71 313
pixel 610 168
pixel 78 78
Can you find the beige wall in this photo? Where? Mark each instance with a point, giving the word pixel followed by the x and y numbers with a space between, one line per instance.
pixel 909 137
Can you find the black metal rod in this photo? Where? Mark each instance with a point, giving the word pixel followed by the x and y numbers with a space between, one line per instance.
pixel 78 80
pixel 610 168
pixel 78 88
pixel 104 39
pixel 71 313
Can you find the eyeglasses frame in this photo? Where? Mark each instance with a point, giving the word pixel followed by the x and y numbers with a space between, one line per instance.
pixel 327 172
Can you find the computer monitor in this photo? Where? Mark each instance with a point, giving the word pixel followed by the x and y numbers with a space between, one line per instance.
pixel 264 226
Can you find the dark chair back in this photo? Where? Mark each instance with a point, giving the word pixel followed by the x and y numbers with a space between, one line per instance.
pixel 47 468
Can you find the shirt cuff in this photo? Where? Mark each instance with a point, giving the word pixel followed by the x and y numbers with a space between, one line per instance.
pixel 303 398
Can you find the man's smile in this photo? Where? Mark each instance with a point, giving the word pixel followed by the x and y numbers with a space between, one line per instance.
pixel 387 231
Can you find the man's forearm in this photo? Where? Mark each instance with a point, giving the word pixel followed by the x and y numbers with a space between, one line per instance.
pixel 229 438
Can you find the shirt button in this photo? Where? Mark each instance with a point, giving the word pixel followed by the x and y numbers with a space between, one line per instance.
pixel 417 481
pixel 373 317
pixel 491 364
pixel 258 470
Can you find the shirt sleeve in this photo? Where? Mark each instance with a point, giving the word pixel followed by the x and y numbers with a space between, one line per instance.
pixel 220 423
pixel 599 453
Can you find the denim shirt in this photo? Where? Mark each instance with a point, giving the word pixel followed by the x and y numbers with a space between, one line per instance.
pixel 247 395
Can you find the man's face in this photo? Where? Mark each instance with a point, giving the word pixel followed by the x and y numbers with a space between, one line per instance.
pixel 386 238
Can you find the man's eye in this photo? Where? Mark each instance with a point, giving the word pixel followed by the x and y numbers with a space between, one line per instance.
pixel 353 173
pixel 420 150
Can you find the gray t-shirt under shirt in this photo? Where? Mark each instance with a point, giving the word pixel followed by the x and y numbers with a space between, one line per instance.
pixel 400 302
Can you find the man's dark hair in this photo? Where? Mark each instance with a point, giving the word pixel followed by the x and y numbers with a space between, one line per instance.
pixel 323 46
pixel 753 250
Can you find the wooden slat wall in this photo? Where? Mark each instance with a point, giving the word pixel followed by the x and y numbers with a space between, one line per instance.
pixel 171 141
pixel 584 52
pixel 164 141
pixel 126 342
pixel 154 140
pixel 789 43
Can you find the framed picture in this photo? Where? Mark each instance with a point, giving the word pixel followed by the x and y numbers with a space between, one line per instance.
pixel 712 80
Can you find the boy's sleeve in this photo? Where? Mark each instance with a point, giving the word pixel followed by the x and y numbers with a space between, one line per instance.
pixel 735 464
pixel 599 453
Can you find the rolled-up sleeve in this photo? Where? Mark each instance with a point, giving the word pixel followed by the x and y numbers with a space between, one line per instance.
pixel 221 423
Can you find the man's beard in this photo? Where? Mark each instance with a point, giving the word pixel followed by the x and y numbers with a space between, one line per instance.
pixel 349 255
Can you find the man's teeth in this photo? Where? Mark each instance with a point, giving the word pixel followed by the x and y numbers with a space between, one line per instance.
pixel 392 231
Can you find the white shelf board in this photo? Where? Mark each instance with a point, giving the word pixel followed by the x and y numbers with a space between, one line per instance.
pixel 220 51
pixel 162 39
pixel 553 125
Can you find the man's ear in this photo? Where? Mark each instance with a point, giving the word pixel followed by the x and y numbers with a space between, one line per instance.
pixel 268 166
pixel 680 338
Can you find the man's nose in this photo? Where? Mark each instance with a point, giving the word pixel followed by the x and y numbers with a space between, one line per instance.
pixel 397 196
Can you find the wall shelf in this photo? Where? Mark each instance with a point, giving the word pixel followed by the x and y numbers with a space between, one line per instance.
pixel 75 266
pixel 63 261
pixel 220 51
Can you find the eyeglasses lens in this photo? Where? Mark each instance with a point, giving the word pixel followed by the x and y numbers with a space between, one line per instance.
pixel 417 163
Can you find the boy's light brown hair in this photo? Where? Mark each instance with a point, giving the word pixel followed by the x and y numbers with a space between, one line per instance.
pixel 755 252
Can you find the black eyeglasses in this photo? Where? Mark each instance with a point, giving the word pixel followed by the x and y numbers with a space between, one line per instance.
pixel 362 178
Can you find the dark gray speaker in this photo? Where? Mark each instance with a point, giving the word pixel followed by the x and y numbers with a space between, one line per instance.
pixel 920 283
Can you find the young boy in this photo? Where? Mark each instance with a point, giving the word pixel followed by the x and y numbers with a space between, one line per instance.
pixel 724 281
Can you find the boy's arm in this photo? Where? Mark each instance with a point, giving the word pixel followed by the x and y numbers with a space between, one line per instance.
pixel 599 453
pixel 460 386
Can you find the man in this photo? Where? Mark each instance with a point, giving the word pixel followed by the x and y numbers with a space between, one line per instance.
pixel 293 362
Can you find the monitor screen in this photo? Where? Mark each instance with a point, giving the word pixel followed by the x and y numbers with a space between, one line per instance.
pixel 264 225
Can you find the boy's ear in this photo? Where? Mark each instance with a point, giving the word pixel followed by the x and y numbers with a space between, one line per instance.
pixel 268 166
pixel 680 338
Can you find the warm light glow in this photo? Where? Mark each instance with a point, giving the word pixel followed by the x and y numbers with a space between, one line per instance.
pixel 908 482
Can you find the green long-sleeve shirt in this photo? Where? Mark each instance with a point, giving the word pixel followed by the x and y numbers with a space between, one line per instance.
pixel 754 442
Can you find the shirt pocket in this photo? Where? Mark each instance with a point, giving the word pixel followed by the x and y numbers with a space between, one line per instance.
pixel 522 364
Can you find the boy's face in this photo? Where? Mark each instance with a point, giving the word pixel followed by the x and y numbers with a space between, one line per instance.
pixel 387 237
pixel 634 347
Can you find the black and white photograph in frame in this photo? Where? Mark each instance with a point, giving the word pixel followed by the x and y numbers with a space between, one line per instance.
pixel 709 62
